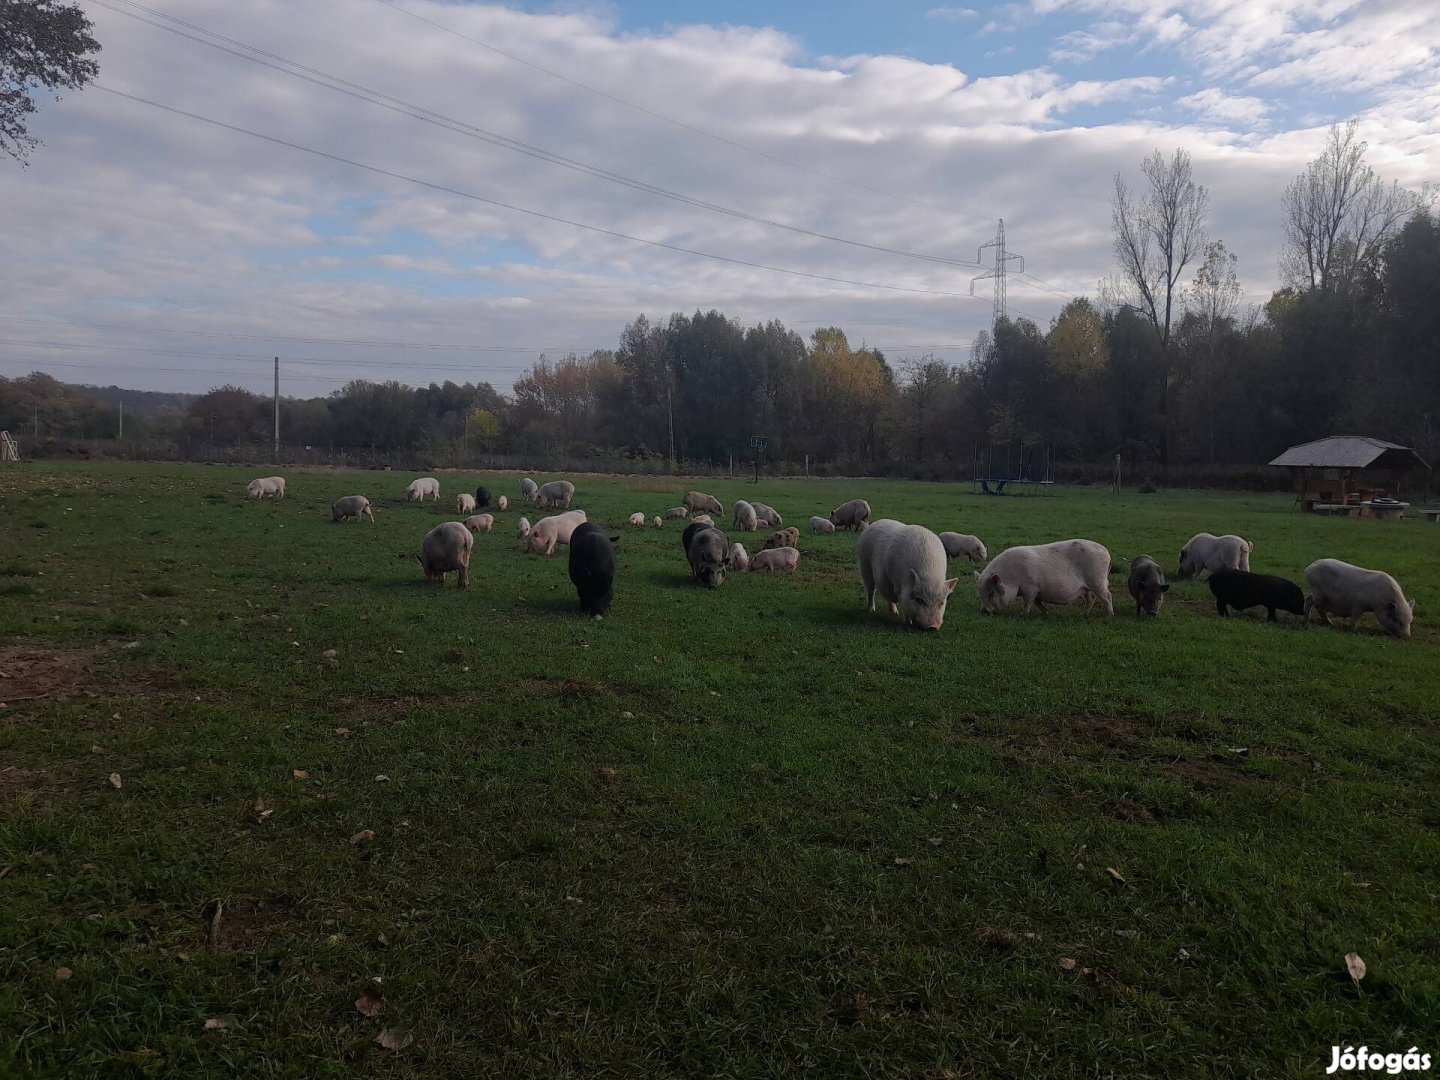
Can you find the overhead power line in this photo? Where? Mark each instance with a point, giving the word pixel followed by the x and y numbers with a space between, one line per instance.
pixel 670 119
pixel 459 193
pixel 360 92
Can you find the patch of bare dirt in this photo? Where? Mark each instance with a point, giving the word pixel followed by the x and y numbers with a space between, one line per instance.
pixel 28 673
pixel 1106 730
pixel 246 923
pixel 1209 774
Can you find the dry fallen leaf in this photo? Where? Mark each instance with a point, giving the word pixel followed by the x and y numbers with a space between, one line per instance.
pixel 215 1023
pixel 381 778
pixel 1183 954
pixel 902 862
pixel 628 715
pixel 300 774
pixel 261 810
pixel 1115 875
pixel 364 836
pixel 369 1003
pixel 1355 966
pixel 342 731
pixel 115 780
pixel 1066 964
pixel 96 750
pixel 114 716
pixel 63 974
pixel 329 654
pixel 395 1038
pixel 605 774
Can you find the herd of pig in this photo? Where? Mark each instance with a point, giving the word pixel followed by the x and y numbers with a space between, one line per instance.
pixel 904 565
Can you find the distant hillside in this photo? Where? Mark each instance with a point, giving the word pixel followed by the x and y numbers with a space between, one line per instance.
pixel 140 402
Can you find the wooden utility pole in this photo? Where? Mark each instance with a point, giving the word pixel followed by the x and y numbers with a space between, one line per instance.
pixel 277 410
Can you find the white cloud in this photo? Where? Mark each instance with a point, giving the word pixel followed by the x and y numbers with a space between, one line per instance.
pixel 952 14
pixel 1220 107
pixel 130 215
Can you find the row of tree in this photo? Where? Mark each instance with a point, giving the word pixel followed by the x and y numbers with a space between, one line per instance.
pixel 1165 365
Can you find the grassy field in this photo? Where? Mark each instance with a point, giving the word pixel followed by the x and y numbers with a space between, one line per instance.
pixel 743 833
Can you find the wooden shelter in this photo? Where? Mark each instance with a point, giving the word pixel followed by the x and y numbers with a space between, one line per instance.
pixel 1348 473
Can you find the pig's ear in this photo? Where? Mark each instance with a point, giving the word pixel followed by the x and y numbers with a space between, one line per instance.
pixel 614 541
pixel 950 585
pixel 1165 587
pixel 975 574
pixel 994 579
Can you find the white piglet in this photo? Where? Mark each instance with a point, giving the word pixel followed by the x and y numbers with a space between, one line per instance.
pixel 464 504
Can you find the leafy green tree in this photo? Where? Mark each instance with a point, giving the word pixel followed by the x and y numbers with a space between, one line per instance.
pixel 43 44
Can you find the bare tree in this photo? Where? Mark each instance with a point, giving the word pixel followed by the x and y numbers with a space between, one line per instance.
pixel 1214 299
pixel 1338 215
pixel 1157 233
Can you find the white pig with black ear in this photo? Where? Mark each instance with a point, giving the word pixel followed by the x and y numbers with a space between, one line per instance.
pixel 905 566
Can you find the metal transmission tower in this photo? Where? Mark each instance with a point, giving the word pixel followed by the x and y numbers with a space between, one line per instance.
pixel 1002 258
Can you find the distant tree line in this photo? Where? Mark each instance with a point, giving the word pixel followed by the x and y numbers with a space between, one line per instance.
pixel 1165 366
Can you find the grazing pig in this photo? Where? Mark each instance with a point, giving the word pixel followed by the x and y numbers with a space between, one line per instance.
pixel 556 529
pixel 676 512
pixel 739 558
pixel 775 559
pixel 482 497
pixel 267 487
pixel 708 555
pixel 556 493
pixel 851 515
pixel 420 490
pixel 503 503
pixel 480 523
pixel 528 489
pixel 821 525
pixel 1147 585
pixel 446 547
pixel 1206 551
pixel 698 502
pixel 767 515
pixel 637 518
pixel 352 506
pixel 783 538
pixel 1240 589
pixel 963 545
pixel 465 504
pixel 659 522
pixel 1350 591
pixel 522 528
pixel 744 516
pixel 905 565
pixel 703 519
pixel 592 568
pixel 1065 572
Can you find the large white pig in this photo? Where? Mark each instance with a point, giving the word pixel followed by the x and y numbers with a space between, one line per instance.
pixel 851 515
pixel 427 487
pixel 743 516
pixel 480 523
pixel 905 565
pixel 546 533
pixel 774 559
pixel 446 547
pixel 821 525
pixel 556 493
pixel 464 504
pixel 963 545
pixel 676 512
pixel 266 487
pixel 1206 551
pixel 1350 591
pixel 528 488
pixel 699 502
pixel 637 518
pixel 1065 572
pixel 352 506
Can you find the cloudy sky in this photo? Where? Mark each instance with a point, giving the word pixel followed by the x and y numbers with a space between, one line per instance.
pixel 500 179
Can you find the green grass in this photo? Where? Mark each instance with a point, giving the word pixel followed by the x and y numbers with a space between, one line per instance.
pixel 829 847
